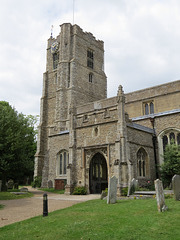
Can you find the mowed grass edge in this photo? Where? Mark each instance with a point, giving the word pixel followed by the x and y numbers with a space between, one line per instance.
pixel 127 220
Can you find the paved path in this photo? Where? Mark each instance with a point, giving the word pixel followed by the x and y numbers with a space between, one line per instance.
pixel 21 209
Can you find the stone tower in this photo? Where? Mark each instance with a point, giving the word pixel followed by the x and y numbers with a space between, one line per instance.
pixel 74 76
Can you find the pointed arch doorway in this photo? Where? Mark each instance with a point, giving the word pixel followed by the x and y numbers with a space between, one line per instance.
pixel 98 174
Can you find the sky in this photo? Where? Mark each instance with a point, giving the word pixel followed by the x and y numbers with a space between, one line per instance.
pixel 141 41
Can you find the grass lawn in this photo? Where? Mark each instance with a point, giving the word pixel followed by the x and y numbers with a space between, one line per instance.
pixel 9 196
pixel 52 190
pixel 126 220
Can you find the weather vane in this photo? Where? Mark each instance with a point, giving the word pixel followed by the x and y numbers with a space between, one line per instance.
pixel 51 30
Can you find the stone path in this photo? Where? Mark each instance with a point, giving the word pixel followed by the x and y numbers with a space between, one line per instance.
pixel 21 209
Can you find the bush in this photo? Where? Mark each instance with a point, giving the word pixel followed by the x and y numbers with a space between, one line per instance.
pixel 124 191
pixel 37 182
pixel 80 191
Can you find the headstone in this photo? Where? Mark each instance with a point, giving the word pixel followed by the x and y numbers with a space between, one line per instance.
pixel 133 186
pixel 50 184
pixel 160 196
pixel 103 195
pixel 24 189
pixel 10 184
pixel 0 185
pixel 176 187
pixel 112 190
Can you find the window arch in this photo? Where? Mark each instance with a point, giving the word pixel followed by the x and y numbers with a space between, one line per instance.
pixel 141 162
pixel 62 162
pixel 146 109
pixel 151 107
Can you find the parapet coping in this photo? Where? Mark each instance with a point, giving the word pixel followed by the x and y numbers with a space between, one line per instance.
pixel 174 111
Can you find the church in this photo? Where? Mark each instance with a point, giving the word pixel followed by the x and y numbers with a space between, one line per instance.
pixel 84 137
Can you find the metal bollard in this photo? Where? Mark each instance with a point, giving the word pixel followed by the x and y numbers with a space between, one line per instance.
pixel 45 205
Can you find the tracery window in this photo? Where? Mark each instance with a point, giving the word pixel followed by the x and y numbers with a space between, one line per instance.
pixel 141 162
pixel 170 137
pixel 62 162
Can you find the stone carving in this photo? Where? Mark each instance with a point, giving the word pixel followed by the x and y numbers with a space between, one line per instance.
pixel 160 196
pixel 112 190
pixel 176 187
pixel 116 162
pixel 133 186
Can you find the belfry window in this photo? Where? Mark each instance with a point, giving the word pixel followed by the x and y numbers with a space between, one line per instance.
pixel 55 60
pixel 62 162
pixel 90 77
pixel 90 59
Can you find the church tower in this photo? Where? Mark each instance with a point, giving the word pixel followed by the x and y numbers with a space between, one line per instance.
pixel 74 76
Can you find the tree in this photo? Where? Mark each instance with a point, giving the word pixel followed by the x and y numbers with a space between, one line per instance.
pixel 171 165
pixel 17 144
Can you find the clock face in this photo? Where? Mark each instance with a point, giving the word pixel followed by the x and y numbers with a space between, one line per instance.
pixel 54 47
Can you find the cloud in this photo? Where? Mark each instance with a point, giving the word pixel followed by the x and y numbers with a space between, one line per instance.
pixel 141 41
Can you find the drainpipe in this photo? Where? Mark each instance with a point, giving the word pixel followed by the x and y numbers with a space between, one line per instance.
pixel 154 140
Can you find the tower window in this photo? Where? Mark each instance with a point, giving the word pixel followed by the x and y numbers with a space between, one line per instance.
pixel 55 60
pixel 90 59
pixel 90 77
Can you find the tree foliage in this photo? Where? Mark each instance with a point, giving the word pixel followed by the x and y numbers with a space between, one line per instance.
pixel 171 165
pixel 17 144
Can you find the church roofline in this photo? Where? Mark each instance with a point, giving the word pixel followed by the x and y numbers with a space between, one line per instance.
pixel 174 111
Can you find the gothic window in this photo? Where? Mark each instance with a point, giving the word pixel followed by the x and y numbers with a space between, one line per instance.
pixel 90 59
pixel 55 60
pixel 151 108
pixel 141 162
pixel 172 137
pixel 90 77
pixel 146 109
pixel 165 141
pixel 178 139
pixel 62 161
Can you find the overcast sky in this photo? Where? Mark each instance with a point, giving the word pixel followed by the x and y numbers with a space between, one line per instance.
pixel 141 37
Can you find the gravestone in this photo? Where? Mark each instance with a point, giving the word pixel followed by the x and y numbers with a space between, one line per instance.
pixel 133 186
pixel 10 184
pixel 112 190
pixel 176 187
pixel 50 184
pixel 160 196
pixel 0 185
pixel 24 189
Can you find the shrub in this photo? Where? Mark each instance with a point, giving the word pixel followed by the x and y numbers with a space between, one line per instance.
pixel 124 191
pixel 37 182
pixel 80 191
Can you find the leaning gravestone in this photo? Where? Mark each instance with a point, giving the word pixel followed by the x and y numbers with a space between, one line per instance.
pixel 160 196
pixel 133 186
pixel 112 190
pixel 10 184
pixel 0 185
pixel 176 187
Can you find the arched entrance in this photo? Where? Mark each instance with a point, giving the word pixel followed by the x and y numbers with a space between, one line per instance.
pixel 98 176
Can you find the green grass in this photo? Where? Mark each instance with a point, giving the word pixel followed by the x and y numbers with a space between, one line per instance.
pixel 52 190
pixel 94 220
pixel 9 196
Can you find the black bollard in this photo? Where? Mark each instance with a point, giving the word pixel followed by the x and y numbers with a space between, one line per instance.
pixel 45 205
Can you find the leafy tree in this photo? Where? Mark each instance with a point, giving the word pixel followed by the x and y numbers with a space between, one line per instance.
pixel 17 144
pixel 171 165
